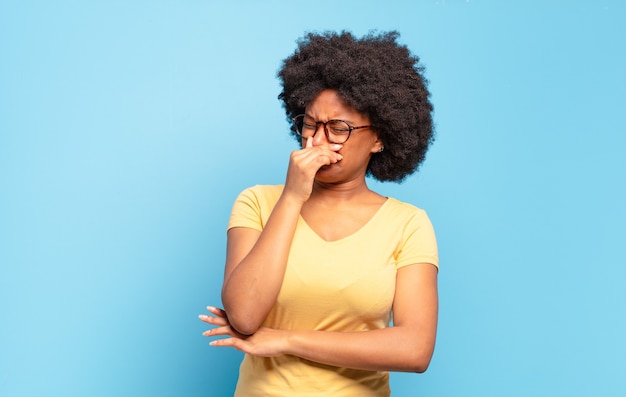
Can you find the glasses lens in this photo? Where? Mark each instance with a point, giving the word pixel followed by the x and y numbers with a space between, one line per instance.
pixel 338 131
pixel 304 126
pixel 297 124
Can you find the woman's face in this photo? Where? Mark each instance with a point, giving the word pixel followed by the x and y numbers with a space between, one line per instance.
pixel 356 151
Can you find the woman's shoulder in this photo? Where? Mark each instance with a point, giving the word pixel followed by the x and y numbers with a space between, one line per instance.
pixel 266 189
pixel 395 205
pixel 400 213
pixel 263 193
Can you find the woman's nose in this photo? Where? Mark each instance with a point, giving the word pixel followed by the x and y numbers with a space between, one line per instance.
pixel 319 136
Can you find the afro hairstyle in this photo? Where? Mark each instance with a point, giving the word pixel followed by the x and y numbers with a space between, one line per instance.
pixel 376 76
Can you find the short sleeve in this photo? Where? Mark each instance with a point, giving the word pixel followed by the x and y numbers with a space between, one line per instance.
pixel 246 211
pixel 419 244
pixel 253 206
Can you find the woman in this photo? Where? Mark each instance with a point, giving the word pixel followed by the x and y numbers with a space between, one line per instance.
pixel 316 267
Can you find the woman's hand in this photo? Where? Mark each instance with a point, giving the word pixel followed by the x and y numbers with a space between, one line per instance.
pixel 266 342
pixel 304 164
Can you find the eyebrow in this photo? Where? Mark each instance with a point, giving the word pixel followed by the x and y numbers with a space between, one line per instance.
pixel 334 118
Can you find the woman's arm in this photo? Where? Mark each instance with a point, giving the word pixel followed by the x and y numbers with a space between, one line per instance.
pixel 255 266
pixel 255 261
pixel 407 346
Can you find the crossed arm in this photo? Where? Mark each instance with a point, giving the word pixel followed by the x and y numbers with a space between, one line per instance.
pixel 249 294
pixel 406 346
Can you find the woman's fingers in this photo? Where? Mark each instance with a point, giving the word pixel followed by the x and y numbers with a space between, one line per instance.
pixel 304 165
pixel 218 321
pixel 219 331
pixel 217 311
pixel 265 342
pixel 311 159
pixel 219 317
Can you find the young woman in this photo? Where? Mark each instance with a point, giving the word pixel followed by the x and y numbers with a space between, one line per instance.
pixel 328 284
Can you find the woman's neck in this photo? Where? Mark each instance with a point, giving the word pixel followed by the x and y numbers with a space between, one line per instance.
pixel 347 191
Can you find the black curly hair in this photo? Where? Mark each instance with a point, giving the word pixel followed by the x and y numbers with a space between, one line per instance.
pixel 376 76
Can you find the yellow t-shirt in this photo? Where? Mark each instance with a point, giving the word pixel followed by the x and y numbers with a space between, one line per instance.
pixel 346 285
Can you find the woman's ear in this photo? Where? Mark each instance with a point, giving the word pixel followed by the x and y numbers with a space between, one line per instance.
pixel 378 146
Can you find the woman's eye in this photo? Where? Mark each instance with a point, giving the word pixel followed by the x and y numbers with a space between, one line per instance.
pixel 339 127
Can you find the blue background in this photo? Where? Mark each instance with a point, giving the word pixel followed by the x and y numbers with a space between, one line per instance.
pixel 127 128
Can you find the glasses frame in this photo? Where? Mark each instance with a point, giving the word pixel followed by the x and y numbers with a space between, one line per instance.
pixel 325 124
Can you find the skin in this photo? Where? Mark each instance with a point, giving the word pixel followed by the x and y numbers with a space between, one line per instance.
pixel 326 185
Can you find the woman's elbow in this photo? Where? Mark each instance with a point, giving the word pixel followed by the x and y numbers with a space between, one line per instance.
pixel 245 328
pixel 242 322
pixel 241 318
pixel 419 361
pixel 420 368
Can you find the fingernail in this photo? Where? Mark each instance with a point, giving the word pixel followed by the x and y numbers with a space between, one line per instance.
pixel 339 156
pixel 202 317
pixel 211 308
pixel 336 146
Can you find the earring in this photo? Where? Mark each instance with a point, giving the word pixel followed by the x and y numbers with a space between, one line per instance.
pixel 381 149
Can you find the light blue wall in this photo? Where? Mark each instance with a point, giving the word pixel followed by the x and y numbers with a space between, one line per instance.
pixel 128 127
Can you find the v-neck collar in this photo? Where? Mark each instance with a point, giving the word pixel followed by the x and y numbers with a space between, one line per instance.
pixel 356 232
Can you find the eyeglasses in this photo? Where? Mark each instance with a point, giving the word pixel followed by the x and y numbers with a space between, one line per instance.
pixel 337 131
